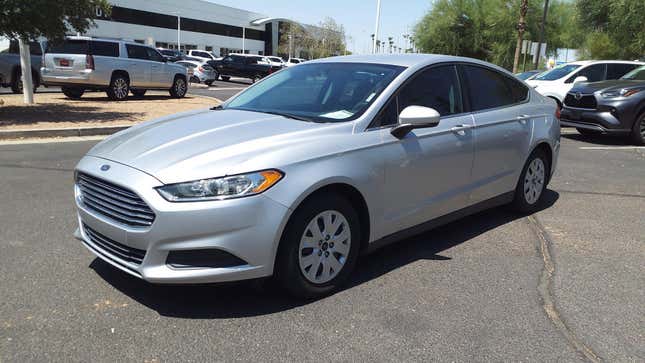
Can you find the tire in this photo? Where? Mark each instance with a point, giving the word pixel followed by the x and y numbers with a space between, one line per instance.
pixel 529 191
pixel 295 265
pixel 638 130
pixel 256 78
pixel 225 78
pixel 73 93
pixel 179 88
pixel 119 87
pixel 587 132
pixel 194 79
pixel 138 93
pixel 16 83
pixel 208 83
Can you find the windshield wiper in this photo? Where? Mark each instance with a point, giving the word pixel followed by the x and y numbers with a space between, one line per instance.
pixel 288 115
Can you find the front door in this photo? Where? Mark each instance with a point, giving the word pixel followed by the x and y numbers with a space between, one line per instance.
pixel 428 172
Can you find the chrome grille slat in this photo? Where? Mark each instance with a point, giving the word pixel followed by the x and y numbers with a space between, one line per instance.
pixel 129 254
pixel 114 202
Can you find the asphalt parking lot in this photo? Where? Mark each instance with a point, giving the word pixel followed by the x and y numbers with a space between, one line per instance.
pixel 565 284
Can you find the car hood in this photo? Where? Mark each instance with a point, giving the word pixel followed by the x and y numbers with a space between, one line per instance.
pixel 208 143
pixel 587 88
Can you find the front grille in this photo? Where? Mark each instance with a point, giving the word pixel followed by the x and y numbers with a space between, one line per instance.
pixel 114 202
pixel 586 101
pixel 115 248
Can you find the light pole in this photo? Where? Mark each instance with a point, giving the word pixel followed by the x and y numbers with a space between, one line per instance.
pixel 179 33
pixel 378 20
pixel 243 38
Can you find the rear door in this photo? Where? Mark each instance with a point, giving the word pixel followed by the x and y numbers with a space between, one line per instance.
pixel 502 132
pixel 139 66
pixel 617 70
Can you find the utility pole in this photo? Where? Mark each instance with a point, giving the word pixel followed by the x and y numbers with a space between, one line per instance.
pixel 537 56
pixel 179 33
pixel 378 20
pixel 243 38
pixel 521 27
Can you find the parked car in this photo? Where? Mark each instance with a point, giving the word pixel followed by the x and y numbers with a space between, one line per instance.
pixel 202 72
pixel 609 107
pixel 557 82
pixel 300 173
pixel 114 66
pixel 525 76
pixel 254 67
pixel 10 68
pixel 203 55
pixel 276 62
pixel 171 55
pixel 294 61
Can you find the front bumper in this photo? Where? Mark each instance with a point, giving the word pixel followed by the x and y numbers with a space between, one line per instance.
pixel 248 228
pixel 602 120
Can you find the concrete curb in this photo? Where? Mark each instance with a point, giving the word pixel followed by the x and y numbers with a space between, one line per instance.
pixel 64 132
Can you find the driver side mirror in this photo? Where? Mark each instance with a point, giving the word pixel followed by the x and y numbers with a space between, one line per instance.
pixel 415 117
pixel 580 79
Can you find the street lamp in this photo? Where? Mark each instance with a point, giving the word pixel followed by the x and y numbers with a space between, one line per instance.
pixel 378 20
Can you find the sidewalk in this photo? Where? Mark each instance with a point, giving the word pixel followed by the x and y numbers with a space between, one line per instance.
pixel 54 115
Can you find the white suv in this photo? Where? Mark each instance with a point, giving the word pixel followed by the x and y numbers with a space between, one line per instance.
pixel 115 66
pixel 203 55
pixel 557 82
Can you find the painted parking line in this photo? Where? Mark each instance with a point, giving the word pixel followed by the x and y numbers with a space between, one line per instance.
pixel 611 147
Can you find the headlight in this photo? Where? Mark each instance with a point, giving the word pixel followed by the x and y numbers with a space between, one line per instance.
pixel 622 93
pixel 234 186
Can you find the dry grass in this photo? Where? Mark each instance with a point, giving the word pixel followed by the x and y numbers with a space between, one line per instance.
pixel 54 110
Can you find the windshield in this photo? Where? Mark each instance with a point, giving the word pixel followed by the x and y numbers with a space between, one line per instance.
pixel 557 72
pixel 637 74
pixel 321 92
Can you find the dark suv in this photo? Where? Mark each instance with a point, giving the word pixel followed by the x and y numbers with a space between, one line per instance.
pixel 253 67
pixel 10 70
pixel 614 107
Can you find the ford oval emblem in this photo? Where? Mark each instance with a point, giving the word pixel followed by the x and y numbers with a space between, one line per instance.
pixel 105 167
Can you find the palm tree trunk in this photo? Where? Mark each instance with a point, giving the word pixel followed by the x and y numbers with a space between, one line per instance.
pixel 521 26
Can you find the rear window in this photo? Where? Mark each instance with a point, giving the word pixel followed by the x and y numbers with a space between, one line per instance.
pixel 94 47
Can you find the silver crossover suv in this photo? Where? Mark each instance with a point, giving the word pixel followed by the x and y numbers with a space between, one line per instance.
pixel 303 171
pixel 117 67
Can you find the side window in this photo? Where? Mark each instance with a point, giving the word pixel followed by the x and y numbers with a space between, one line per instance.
pixel 153 55
pixel 487 88
pixel 107 49
pixel 593 73
pixel 437 88
pixel 389 115
pixel 518 90
pixel 617 70
pixel 228 59
pixel 136 51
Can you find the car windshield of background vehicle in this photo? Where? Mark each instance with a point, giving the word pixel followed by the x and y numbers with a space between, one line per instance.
pixel 322 92
pixel 637 74
pixel 557 72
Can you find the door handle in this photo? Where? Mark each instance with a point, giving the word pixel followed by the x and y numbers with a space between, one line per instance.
pixel 460 129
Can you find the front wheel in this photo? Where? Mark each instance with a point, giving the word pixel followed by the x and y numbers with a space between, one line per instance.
pixel 319 247
pixel 179 88
pixel 638 130
pixel 532 184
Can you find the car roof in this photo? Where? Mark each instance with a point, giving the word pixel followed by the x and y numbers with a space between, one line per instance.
pixel 126 41
pixel 587 62
pixel 410 60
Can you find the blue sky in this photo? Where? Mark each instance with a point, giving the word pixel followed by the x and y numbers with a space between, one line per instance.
pixel 357 16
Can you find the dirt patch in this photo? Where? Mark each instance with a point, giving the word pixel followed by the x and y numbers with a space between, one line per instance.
pixel 54 110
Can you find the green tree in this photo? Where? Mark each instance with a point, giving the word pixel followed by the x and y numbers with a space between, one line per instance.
pixel 31 19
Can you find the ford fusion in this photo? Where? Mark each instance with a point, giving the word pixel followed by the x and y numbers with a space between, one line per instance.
pixel 304 171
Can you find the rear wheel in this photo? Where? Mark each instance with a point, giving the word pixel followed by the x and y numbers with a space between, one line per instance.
pixel 208 83
pixel 638 130
pixel 226 78
pixel 138 93
pixel 532 184
pixel 194 79
pixel 179 87
pixel 319 247
pixel 72 92
pixel 16 83
pixel 256 78
pixel 119 88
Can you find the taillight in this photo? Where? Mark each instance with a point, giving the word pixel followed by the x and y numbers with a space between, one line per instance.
pixel 270 69
pixel 557 112
pixel 89 62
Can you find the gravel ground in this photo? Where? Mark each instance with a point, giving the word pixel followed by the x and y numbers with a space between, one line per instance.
pixel 54 110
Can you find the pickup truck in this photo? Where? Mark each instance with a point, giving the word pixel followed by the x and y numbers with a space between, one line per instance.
pixel 10 72
pixel 253 67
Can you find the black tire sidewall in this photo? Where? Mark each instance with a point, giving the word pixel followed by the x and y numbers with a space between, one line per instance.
pixel 636 136
pixel 287 269
pixel 138 93
pixel 73 93
pixel 519 202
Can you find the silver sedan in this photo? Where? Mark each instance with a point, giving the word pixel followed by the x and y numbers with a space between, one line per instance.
pixel 305 170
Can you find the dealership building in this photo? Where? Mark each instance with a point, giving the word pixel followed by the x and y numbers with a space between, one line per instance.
pixel 202 25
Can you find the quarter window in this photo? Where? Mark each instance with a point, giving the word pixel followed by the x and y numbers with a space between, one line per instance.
pixel 107 49
pixel 437 88
pixel 617 70
pixel 489 89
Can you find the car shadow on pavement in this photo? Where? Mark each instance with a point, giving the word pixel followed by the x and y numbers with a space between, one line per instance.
pixel 605 140
pixel 261 297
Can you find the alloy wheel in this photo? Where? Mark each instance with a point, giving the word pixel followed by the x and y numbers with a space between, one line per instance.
pixel 324 247
pixel 534 181
pixel 180 87
pixel 120 88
